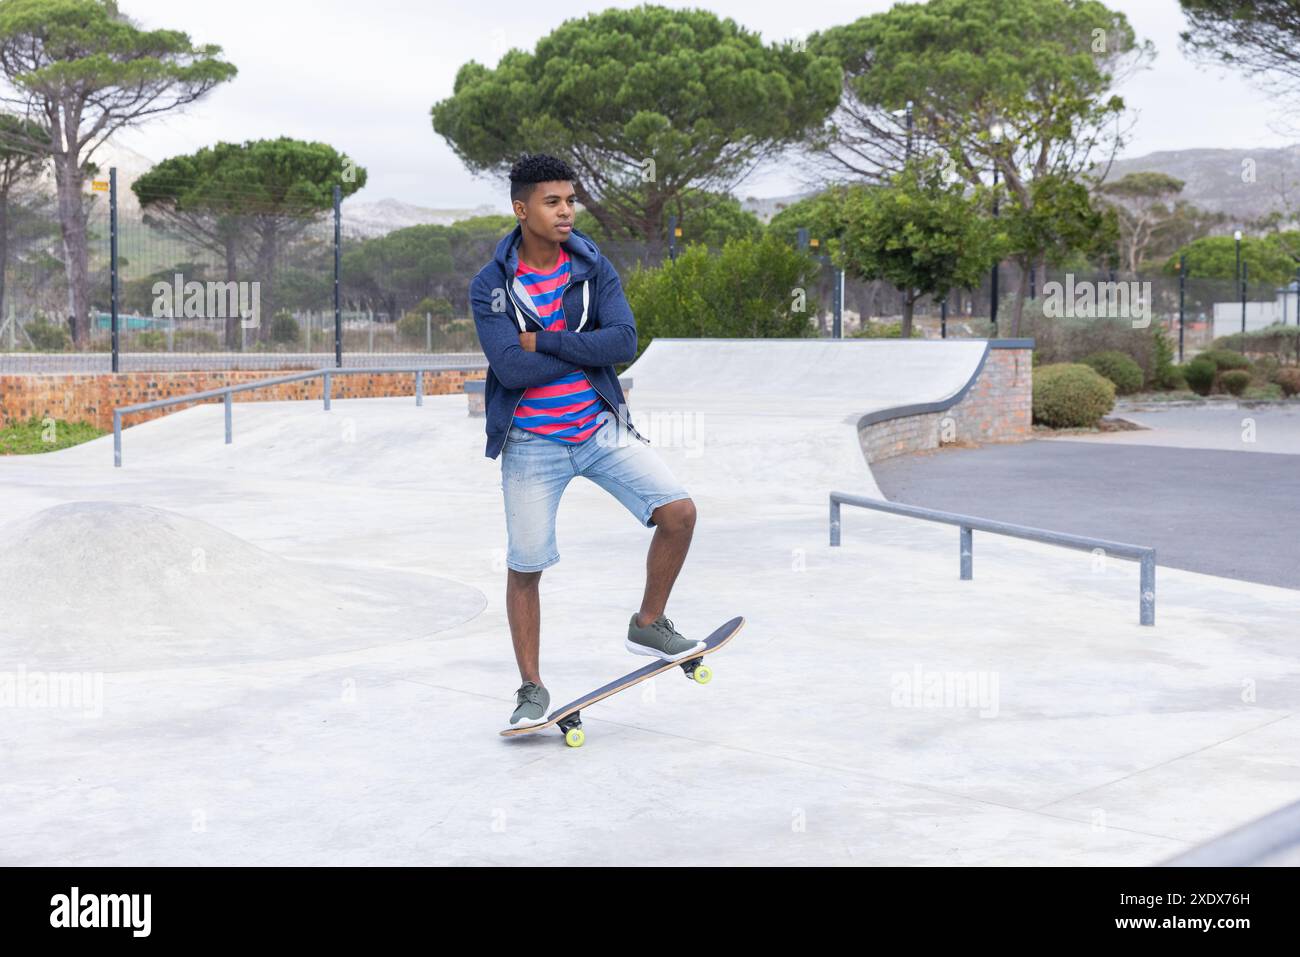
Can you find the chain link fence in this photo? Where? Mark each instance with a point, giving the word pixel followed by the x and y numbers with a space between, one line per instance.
pixel 241 281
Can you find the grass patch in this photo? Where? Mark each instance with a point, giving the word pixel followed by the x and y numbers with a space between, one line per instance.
pixel 35 436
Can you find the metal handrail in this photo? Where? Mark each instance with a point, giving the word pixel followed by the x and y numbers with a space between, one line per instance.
pixel 229 390
pixel 1141 553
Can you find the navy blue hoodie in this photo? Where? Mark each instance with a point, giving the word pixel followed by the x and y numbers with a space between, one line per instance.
pixel 600 331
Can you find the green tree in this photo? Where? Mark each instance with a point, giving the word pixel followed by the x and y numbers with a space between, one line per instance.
pixel 1141 203
pixel 1258 36
pixel 1060 222
pixel 397 270
pixel 707 218
pixel 18 167
pixel 1020 85
pixel 1215 257
pixel 647 104
pixel 1184 224
pixel 921 234
pixel 247 200
pixel 753 288
pixel 85 71
pixel 394 272
pixel 817 214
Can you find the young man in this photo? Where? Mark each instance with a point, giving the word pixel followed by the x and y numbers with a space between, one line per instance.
pixel 552 321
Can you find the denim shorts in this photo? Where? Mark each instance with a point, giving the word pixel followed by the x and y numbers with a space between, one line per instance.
pixel 536 470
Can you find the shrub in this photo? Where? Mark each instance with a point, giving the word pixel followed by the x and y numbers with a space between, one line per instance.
pixel 1235 381
pixel 752 289
pixel 885 330
pixel 48 337
pixel 150 340
pixel 284 328
pixel 439 308
pixel 412 329
pixel 1118 368
pixel 1225 359
pixel 1164 374
pixel 196 340
pixel 1068 395
pixel 1200 373
pixel 1289 380
pixel 1266 367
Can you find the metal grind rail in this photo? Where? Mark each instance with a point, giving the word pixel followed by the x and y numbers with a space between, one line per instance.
pixel 229 390
pixel 1143 554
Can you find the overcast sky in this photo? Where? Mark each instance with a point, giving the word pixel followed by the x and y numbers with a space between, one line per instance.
pixel 362 74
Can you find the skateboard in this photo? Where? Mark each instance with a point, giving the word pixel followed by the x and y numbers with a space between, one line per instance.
pixel 569 718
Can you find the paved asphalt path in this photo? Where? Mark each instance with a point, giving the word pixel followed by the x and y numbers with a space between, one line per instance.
pixel 1213 510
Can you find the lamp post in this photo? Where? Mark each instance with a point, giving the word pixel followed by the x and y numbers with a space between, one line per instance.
pixel 1245 273
pixel 1182 302
pixel 1236 278
pixel 995 132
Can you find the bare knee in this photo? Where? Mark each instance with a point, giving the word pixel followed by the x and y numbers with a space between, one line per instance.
pixel 518 579
pixel 678 516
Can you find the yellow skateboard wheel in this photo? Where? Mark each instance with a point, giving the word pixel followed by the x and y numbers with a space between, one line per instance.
pixel 703 674
pixel 574 737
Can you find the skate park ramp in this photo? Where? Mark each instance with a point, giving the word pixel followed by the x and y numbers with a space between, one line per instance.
pixel 783 414
pixel 108 586
pixel 875 709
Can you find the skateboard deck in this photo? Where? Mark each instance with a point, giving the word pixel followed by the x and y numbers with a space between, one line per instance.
pixel 569 717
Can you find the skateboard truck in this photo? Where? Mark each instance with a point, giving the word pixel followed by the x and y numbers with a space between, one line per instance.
pixel 571 728
pixel 696 670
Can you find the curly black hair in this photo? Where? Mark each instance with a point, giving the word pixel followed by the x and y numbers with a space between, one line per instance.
pixel 535 168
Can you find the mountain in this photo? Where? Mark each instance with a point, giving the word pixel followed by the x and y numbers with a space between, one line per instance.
pixel 767 207
pixel 381 216
pixel 1245 184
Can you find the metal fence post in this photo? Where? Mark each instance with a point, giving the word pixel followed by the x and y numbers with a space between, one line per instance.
pixel 338 313
pixel 1148 609
pixel 112 256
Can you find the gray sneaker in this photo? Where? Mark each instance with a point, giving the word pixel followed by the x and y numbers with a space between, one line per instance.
pixel 533 700
pixel 660 639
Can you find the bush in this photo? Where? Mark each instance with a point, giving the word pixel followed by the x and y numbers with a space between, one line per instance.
pixel 1118 368
pixel 1225 359
pixel 885 330
pixel 412 329
pixel 1289 380
pixel 150 340
pixel 1164 375
pixel 439 308
pixel 745 291
pixel 1235 381
pixel 196 340
pixel 1199 374
pixel 1071 395
pixel 48 337
pixel 284 328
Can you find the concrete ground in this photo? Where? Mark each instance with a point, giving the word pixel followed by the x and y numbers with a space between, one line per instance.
pixel 874 710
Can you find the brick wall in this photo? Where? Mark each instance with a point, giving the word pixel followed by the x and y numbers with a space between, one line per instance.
pixel 998 407
pixel 83 397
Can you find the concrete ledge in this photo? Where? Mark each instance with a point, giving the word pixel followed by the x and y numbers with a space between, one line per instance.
pixel 995 405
